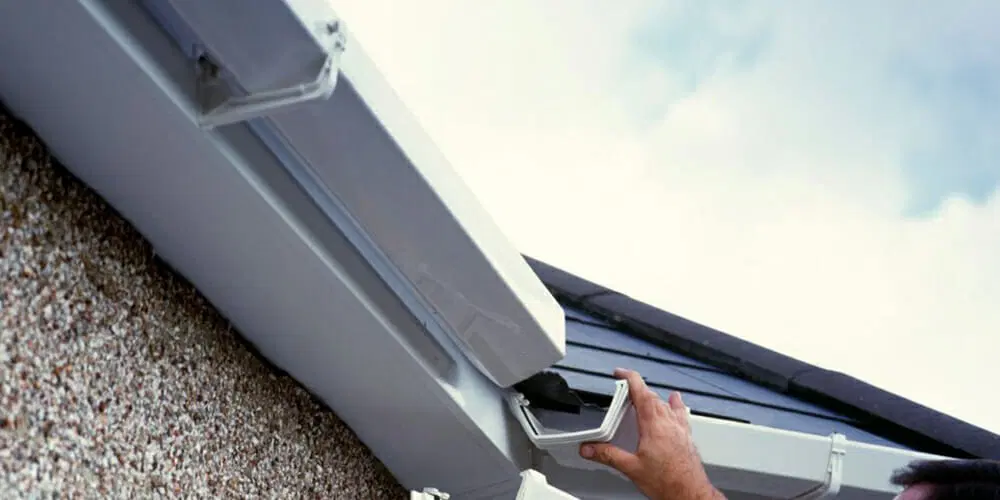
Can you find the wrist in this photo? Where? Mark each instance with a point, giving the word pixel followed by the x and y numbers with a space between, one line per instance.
pixel 707 491
pixel 712 493
pixel 692 488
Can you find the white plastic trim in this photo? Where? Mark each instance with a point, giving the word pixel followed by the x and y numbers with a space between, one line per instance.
pixel 234 109
pixel 534 486
pixel 761 462
pixel 834 471
pixel 480 291
pixel 429 494
pixel 546 440
pixel 217 206
pixel 618 426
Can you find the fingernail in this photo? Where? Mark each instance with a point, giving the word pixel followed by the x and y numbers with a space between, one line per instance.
pixel 587 451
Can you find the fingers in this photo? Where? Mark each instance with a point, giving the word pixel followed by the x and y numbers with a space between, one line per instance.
pixel 644 400
pixel 679 409
pixel 676 403
pixel 612 456
pixel 648 404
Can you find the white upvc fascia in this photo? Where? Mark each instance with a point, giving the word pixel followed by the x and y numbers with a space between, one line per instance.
pixel 116 102
pixel 374 171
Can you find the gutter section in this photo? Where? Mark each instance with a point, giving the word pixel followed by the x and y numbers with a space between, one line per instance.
pixel 368 164
pixel 739 457
pixel 219 208
pixel 745 459
pixel 834 471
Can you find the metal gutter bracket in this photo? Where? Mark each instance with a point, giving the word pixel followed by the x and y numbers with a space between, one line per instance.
pixel 219 107
pixel 834 471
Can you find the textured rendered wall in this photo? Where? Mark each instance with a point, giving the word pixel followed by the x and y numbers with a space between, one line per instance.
pixel 118 380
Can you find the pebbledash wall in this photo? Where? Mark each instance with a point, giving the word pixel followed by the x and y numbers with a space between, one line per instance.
pixel 117 379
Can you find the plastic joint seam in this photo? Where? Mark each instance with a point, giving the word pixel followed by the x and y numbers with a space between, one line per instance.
pixel 834 471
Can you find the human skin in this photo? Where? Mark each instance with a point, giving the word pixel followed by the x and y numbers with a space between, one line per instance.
pixel 915 492
pixel 665 464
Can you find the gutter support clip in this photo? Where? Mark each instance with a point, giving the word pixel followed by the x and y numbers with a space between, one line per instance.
pixel 429 494
pixel 834 471
pixel 219 107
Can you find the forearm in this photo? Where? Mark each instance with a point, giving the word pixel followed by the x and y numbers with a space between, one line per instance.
pixel 709 493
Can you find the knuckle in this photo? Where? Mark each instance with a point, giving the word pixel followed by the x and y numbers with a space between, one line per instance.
pixel 663 408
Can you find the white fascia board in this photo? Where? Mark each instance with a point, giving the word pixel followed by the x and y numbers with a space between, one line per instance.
pixel 374 171
pixel 113 98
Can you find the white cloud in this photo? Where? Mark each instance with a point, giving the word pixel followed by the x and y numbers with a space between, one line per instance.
pixel 765 201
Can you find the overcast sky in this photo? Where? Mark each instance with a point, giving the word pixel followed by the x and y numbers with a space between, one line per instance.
pixel 818 178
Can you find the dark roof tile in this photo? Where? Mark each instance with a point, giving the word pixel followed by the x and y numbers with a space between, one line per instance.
pixel 887 414
pixel 754 362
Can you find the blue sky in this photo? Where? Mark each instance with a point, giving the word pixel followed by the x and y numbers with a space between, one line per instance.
pixel 819 178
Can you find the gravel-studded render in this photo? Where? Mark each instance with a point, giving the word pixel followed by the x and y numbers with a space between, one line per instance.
pixel 118 380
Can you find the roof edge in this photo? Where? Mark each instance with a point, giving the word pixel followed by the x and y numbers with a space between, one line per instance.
pixel 877 410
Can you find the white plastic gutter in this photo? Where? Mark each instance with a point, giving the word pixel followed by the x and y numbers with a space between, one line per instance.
pixel 310 93
pixel 743 459
pixel 117 103
pixel 740 458
pixel 411 356
pixel 534 486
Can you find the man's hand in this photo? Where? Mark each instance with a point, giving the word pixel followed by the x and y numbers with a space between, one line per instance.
pixel 665 464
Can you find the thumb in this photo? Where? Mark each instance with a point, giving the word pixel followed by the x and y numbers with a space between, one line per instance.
pixel 612 456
